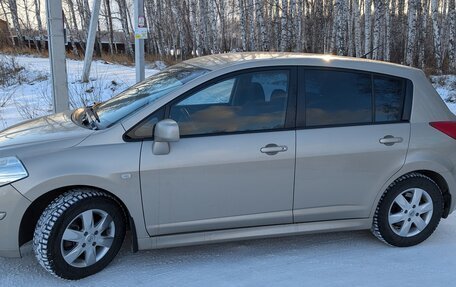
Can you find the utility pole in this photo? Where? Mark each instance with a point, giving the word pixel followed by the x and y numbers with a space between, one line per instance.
pixel 56 44
pixel 91 40
pixel 140 35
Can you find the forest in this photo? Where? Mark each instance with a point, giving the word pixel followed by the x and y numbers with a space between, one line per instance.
pixel 419 33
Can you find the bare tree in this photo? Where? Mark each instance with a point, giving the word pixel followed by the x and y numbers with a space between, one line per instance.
pixel 415 32
pixel 367 28
pixel 436 32
pixel 411 33
pixel 243 22
pixel 15 18
pixel 39 23
pixel 263 37
pixel 339 27
pixel 452 40
pixel 387 42
pixel 250 14
pixel 284 35
pixel 109 25
pixel 125 28
pixel 379 6
pixel 357 28
pixel 5 14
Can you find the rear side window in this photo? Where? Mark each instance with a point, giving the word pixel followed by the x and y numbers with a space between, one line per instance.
pixel 346 97
pixel 389 98
pixel 337 98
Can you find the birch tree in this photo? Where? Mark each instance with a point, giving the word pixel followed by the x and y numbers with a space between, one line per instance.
pixel 387 42
pixel 15 19
pixel 339 24
pixel 377 29
pixel 5 14
pixel 263 37
pixel 125 28
pixel 299 28
pixel 109 25
pixel 357 28
pixel 250 9
pixel 452 41
pixel 243 24
pixel 411 33
pixel 436 32
pixel 39 23
pixel 367 28
pixel 284 24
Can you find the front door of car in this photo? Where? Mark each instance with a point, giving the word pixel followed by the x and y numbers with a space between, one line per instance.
pixel 234 163
pixel 353 134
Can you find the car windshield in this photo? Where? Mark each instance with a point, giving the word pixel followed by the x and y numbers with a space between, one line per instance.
pixel 144 93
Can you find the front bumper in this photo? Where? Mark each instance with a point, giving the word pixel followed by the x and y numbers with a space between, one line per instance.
pixel 14 205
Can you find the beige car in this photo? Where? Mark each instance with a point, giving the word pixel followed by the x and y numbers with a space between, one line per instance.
pixel 228 147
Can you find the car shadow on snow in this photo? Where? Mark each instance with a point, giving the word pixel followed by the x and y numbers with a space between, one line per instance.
pixel 226 262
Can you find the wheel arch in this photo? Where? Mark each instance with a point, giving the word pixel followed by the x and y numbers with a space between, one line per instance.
pixel 443 185
pixel 36 208
pixel 437 177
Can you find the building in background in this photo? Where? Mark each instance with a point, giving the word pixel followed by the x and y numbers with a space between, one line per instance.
pixel 4 33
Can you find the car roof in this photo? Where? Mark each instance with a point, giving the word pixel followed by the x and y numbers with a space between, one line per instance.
pixel 219 61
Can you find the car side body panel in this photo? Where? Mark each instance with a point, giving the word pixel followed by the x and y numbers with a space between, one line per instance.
pixel 100 163
pixel 340 170
pixel 217 182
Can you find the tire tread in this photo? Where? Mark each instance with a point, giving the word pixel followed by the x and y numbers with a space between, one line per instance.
pixel 48 219
pixel 375 225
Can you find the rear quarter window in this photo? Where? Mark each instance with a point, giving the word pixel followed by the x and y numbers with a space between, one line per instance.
pixel 389 96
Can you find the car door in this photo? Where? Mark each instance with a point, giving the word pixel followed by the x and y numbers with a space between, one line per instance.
pixel 353 136
pixel 234 163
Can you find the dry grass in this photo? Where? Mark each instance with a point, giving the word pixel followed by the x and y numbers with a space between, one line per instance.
pixel 122 59
pixel 10 50
pixel 10 72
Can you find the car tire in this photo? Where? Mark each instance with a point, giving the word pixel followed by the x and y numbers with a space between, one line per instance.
pixel 66 235
pixel 409 211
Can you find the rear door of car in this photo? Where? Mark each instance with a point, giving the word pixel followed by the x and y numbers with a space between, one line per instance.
pixel 352 135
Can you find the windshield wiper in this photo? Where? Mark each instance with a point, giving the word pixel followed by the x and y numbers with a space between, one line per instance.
pixel 91 118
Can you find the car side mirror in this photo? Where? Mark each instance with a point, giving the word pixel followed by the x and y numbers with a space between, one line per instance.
pixel 165 131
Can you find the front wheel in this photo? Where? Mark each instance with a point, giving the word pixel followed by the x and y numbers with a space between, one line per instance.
pixel 79 234
pixel 409 211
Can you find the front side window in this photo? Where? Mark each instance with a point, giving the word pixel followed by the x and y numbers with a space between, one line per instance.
pixel 251 101
pixel 146 92
pixel 337 98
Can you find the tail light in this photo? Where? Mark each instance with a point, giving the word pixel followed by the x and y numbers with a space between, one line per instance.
pixel 448 128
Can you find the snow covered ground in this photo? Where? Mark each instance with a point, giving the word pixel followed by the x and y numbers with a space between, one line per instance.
pixel 332 259
pixel 32 97
pixel 446 87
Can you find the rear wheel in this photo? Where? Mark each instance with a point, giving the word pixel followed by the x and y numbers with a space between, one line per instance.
pixel 409 211
pixel 79 234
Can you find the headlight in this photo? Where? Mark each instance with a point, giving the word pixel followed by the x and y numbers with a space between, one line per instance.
pixel 11 169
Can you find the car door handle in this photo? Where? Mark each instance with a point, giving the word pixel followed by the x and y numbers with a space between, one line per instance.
pixel 272 149
pixel 389 140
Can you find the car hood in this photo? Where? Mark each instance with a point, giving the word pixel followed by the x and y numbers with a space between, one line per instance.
pixel 47 129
